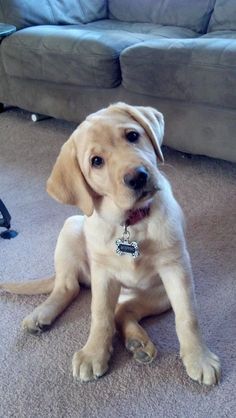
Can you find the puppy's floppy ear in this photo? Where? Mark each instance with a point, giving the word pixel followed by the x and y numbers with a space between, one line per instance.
pixel 67 183
pixel 151 120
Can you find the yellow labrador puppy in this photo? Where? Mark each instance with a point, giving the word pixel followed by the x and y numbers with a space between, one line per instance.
pixel 129 246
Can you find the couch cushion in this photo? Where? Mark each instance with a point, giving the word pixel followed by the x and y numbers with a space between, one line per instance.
pixel 224 16
pixel 23 13
pixel 226 34
pixel 84 55
pixel 200 70
pixel 64 54
pixel 142 31
pixel 192 14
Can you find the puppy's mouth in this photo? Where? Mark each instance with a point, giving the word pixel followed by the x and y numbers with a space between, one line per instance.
pixel 147 194
pixel 141 207
pixel 140 211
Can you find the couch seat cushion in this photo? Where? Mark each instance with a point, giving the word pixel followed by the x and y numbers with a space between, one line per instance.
pixel 65 54
pixel 195 70
pixel 84 55
pixel 221 34
pixel 143 31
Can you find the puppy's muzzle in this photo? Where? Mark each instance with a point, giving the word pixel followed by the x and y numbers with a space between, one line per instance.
pixel 137 179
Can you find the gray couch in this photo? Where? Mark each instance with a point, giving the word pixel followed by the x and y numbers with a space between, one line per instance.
pixel 71 57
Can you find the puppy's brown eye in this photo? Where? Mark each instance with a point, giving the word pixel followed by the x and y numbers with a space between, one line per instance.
pixel 132 136
pixel 97 162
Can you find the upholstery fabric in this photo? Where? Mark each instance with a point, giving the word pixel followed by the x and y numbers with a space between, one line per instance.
pixel 224 16
pixel 4 90
pixel 23 13
pixel 195 70
pixel 189 127
pixel 65 54
pixel 84 55
pixel 141 29
pixel 155 57
pixel 191 14
pixel 220 34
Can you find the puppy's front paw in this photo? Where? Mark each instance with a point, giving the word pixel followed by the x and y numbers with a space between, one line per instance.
pixel 203 366
pixel 89 365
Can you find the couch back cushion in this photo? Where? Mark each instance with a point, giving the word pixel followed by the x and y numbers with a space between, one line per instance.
pixel 192 14
pixel 224 16
pixel 23 13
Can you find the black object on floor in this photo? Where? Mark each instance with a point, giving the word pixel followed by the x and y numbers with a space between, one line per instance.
pixel 5 222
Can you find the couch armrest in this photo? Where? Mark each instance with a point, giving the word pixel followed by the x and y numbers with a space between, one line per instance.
pixel 6 30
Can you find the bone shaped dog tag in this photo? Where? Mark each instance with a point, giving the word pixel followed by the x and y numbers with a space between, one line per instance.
pixel 124 247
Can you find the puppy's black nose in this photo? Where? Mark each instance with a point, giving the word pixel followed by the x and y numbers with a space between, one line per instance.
pixel 137 178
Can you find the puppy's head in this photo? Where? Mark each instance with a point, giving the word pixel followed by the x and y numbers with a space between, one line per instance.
pixel 110 161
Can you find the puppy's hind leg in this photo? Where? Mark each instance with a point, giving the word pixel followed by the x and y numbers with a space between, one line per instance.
pixel 70 264
pixel 128 313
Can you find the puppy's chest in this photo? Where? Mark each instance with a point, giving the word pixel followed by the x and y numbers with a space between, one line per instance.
pixel 131 272
pixel 134 273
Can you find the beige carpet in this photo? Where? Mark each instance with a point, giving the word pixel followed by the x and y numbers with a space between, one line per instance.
pixel 35 372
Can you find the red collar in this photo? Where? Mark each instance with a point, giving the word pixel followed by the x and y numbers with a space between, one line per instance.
pixel 137 215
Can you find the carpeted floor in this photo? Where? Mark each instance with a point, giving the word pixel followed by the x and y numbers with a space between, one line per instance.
pixel 35 372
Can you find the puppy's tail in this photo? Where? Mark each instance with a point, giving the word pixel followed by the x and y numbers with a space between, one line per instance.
pixel 33 287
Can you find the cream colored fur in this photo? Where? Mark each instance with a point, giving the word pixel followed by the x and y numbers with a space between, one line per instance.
pixel 124 289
